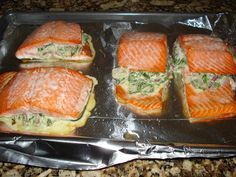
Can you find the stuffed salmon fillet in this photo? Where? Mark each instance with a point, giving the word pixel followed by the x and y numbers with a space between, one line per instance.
pixel 142 77
pixel 204 73
pixel 45 100
pixel 57 40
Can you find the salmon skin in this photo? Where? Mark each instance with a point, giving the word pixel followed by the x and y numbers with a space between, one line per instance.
pixel 207 54
pixel 56 92
pixel 142 73
pixel 57 40
pixel 143 51
pixel 205 83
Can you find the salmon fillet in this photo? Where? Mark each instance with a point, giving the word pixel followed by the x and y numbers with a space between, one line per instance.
pixel 205 61
pixel 149 104
pixel 52 91
pixel 219 103
pixel 143 51
pixel 54 31
pixel 207 54
pixel 66 41
pixel 207 88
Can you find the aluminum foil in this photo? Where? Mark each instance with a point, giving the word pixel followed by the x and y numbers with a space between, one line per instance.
pixel 113 134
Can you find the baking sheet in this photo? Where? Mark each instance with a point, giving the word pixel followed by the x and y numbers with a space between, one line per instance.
pixel 113 134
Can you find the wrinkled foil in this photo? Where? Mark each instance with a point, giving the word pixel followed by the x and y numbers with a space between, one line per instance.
pixel 113 134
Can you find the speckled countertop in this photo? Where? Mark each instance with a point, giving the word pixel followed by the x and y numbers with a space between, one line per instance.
pixel 142 168
pixel 176 167
pixel 119 5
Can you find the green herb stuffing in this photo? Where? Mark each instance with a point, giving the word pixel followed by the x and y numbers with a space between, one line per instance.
pixel 179 64
pixel 32 119
pixel 45 47
pixel 120 80
pixel 205 81
pixel 205 78
pixel 139 82
pixel 68 50
pixel 145 82
pixel 74 50
pixel 63 50
pixel 85 38
pixel 49 122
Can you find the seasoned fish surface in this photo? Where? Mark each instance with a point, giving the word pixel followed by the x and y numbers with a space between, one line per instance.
pixel 143 51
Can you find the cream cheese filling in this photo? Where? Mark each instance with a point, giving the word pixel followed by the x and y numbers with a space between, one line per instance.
pixel 140 83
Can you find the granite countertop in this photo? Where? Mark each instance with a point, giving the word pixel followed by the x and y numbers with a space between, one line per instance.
pixel 142 168
pixel 119 5
pixel 176 167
